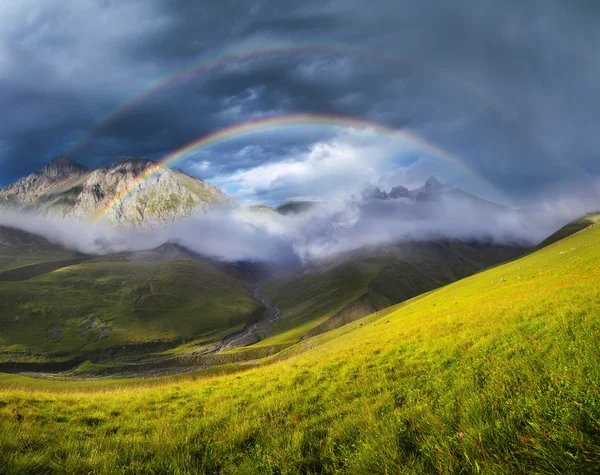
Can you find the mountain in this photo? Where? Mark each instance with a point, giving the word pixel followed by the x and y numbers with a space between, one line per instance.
pixel 432 190
pixel 67 189
pixel 58 176
pixel 11 238
pixel 296 207
pixel 429 191
pixel 24 255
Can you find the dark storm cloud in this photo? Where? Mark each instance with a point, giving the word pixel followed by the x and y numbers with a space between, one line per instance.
pixel 510 86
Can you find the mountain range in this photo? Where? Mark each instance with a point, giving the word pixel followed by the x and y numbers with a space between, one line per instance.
pixel 134 192
pixel 431 190
pixel 67 189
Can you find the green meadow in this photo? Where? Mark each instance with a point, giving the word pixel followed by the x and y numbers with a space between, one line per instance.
pixel 496 373
pixel 116 304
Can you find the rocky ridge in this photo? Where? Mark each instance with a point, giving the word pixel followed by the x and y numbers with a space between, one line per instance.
pixel 67 189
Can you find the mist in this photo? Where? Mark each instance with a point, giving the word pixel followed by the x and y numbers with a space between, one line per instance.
pixel 325 230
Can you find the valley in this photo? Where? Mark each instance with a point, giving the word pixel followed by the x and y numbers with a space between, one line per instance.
pixel 496 372
pixel 168 309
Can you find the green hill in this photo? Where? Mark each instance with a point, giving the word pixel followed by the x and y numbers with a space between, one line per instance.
pixel 54 309
pixel 573 227
pixel 339 290
pixel 497 373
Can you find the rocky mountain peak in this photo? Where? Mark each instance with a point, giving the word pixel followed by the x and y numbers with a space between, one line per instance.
pixel 374 193
pixel 433 183
pixel 62 166
pixel 67 189
pixel 429 191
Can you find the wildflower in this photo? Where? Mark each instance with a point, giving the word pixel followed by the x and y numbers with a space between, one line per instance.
pixel 461 435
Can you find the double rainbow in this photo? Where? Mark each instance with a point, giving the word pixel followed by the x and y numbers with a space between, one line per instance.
pixel 278 123
pixel 212 62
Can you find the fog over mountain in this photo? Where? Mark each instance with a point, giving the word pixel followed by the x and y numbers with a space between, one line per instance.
pixel 322 230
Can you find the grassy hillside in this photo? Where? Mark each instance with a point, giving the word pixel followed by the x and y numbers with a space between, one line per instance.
pixel 368 280
pixel 572 228
pixel 498 373
pixel 126 303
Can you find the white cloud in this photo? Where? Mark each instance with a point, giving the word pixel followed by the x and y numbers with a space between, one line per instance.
pixel 200 167
pixel 330 170
pixel 328 229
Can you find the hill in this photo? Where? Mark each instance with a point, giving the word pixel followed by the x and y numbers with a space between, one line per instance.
pixel 335 291
pixel 497 373
pixel 23 255
pixel 573 227
pixel 67 189
pixel 61 308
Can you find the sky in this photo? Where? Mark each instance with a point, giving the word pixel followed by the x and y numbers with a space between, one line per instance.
pixel 508 87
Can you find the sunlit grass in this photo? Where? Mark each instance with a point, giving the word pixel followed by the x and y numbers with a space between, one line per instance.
pixel 497 373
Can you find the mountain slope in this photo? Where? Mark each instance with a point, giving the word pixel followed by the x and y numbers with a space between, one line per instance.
pixel 66 189
pixel 296 207
pixel 59 306
pixel 12 238
pixel 580 224
pixel 24 254
pixel 498 373
pixel 58 176
pixel 371 279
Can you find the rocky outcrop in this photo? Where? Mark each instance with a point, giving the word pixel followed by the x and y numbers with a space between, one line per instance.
pixel 131 191
pixel 374 193
pixel 429 191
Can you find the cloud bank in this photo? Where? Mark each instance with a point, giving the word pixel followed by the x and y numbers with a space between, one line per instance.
pixel 324 231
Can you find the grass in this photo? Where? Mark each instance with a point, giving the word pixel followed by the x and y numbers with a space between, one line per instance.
pixel 307 300
pixel 497 373
pixel 120 305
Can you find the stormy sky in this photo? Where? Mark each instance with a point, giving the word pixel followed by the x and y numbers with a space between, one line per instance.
pixel 508 86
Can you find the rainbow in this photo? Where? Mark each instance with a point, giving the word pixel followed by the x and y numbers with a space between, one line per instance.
pixel 277 123
pixel 212 62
